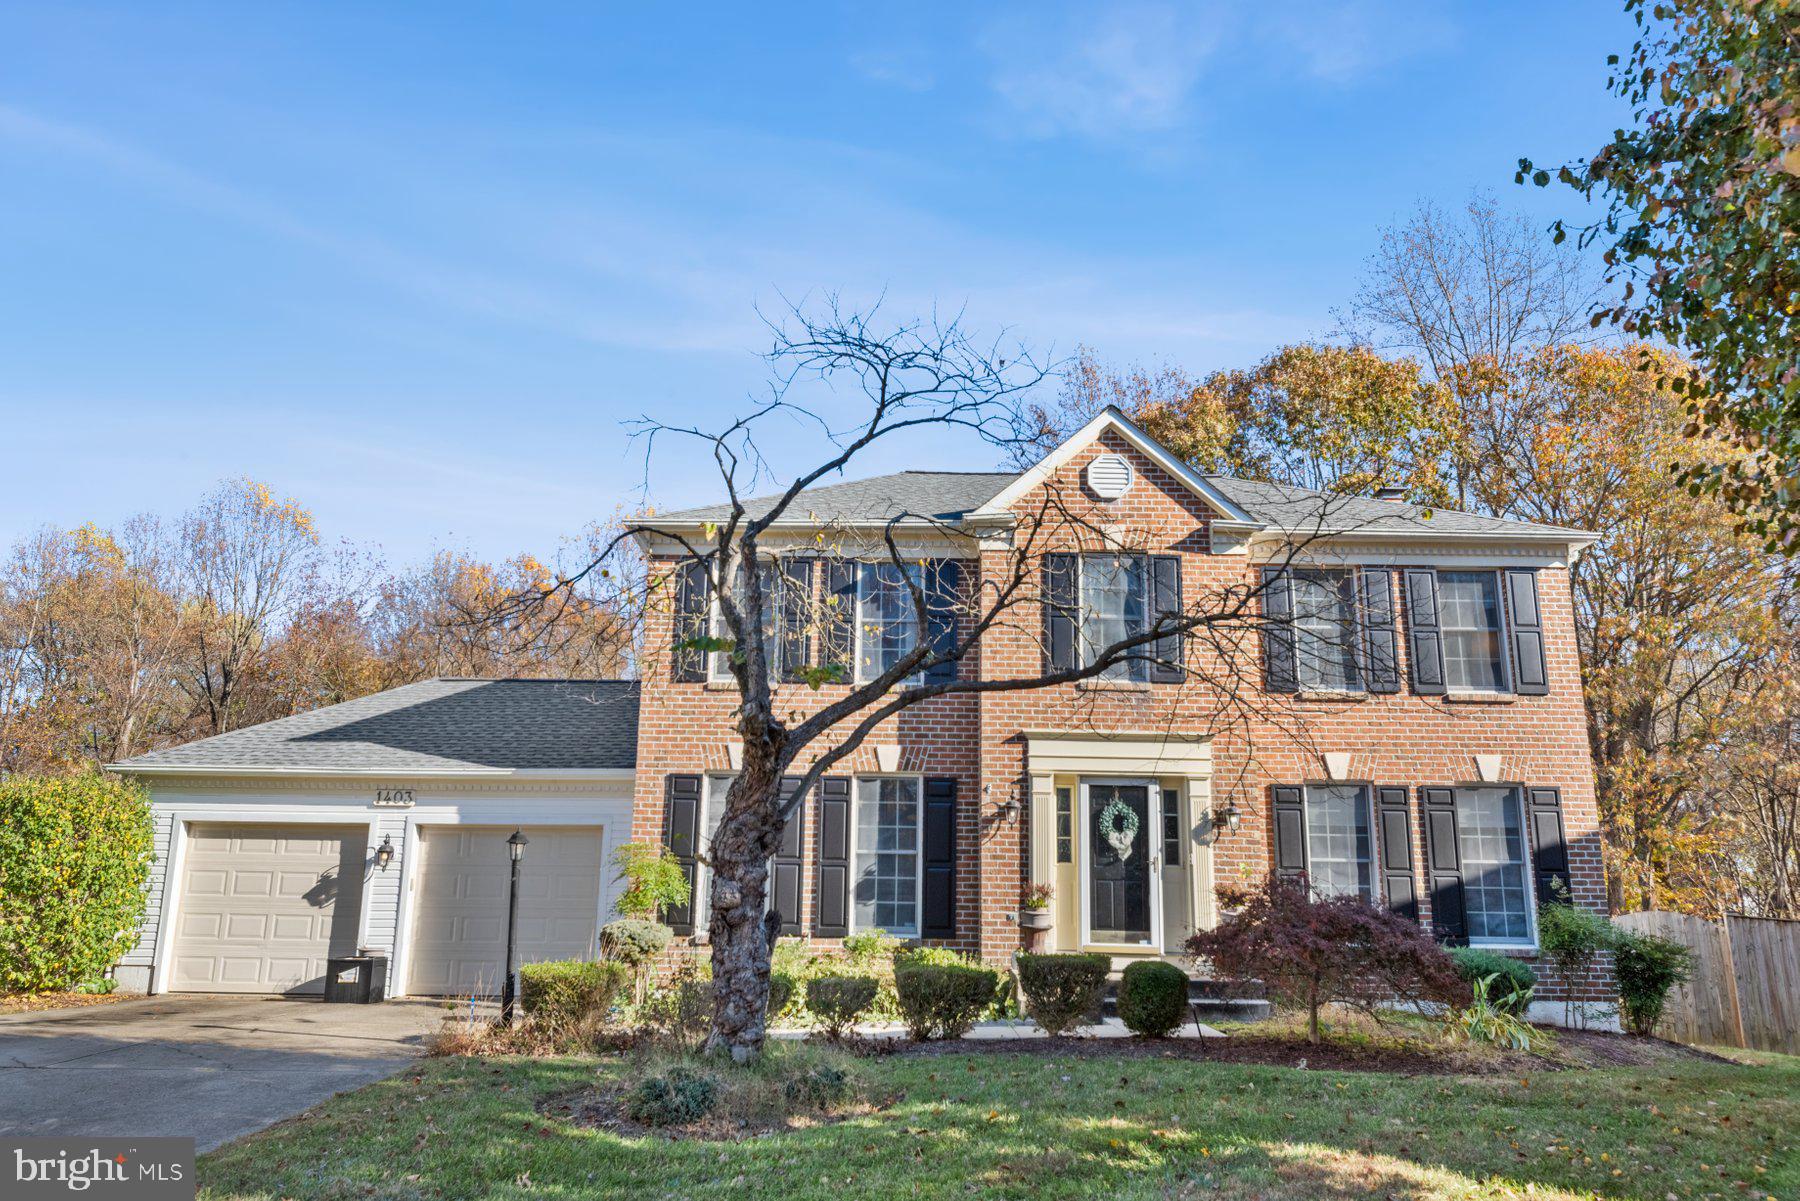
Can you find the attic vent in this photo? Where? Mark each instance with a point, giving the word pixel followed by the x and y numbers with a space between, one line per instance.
pixel 1109 476
pixel 1390 493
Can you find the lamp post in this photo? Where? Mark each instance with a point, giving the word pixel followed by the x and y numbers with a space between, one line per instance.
pixel 515 847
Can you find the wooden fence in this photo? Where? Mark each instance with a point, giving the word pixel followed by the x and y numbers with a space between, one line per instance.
pixel 1746 986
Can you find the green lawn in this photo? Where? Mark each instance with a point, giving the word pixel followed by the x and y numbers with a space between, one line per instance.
pixel 1027 1127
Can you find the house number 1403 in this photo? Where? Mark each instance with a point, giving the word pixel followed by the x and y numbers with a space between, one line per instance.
pixel 393 798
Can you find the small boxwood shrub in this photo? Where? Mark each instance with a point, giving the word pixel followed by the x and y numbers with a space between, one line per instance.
pixel 838 1001
pixel 570 995
pixel 672 1098
pixel 820 1088
pixel 74 861
pixel 1153 998
pixel 944 1001
pixel 1646 967
pixel 1063 991
pixel 1512 992
pixel 634 941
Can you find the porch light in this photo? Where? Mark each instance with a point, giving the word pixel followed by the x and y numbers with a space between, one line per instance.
pixel 1227 818
pixel 384 854
pixel 515 846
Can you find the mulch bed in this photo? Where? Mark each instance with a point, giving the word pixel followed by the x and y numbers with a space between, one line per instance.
pixel 22 1002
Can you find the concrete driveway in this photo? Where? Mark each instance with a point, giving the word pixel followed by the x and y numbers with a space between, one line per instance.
pixel 208 1067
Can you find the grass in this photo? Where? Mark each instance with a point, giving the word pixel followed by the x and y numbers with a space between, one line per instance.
pixel 1061 1127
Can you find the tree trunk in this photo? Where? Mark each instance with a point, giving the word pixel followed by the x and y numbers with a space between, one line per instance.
pixel 741 928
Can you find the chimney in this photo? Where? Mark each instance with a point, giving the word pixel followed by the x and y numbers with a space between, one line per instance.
pixel 1390 493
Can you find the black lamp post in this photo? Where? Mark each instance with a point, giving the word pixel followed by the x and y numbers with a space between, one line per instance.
pixel 515 846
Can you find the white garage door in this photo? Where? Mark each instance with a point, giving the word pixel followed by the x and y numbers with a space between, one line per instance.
pixel 262 906
pixel 459 904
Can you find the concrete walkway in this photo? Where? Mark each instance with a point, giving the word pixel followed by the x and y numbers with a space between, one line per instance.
pixel 207 1067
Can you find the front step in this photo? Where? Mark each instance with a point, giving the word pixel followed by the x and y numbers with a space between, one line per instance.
pixel 1210 1000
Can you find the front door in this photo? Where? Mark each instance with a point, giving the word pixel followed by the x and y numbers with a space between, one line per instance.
pixel 1122 878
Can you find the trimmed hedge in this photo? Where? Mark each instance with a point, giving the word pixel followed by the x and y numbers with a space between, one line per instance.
pixel 75 857
pixel 1063 991
pixel 1153 998
pixel 634 941
pixel 570 994
pixel 838 1001
pixel 945 1000
pixel 1512 992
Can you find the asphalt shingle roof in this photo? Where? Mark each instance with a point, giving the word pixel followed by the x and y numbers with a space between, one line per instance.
pixel 938 495
pixel 436 725
pixel 1286 507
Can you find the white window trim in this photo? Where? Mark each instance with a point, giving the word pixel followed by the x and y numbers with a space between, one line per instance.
pixel 1358 629
pixel 1131 662
pixel 1530 942
pixel 857 672
pixel 856 783
pixel 1367 790
pixel 1504 630
pixel 716 672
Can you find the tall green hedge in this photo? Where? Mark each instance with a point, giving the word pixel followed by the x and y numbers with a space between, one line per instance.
pixel 74 862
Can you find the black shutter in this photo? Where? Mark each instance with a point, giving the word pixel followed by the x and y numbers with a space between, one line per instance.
pixel 688 663
pixel 1529 675
pixel 1165 599
pixel 840 617
pixel 1289 805
pixel 796 617
pixel 1060 611
pixel 937 844
pixel 1443 856
pixel 784 872
pixel 681 827
pixel 943 599
pixel 832 907
pixel 1279 673
pixel 1549 848
pixel 1425 643
pixel 1381 647
pixel 1393 818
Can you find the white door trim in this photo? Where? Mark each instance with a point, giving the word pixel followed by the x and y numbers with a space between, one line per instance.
pixel 1152 862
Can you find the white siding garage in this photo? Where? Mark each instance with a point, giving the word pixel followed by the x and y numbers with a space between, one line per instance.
pixel 262 906
pixel 458 945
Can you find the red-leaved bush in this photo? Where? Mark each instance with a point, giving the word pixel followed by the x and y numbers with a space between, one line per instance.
pixel 1309 951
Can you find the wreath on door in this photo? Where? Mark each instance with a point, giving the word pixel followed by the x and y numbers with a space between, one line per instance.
pixel 1119 826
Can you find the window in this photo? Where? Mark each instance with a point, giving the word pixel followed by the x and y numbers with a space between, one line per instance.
pixel 885 874
pixel 1469 614
pixel 1324 607
pixel 720 661
pixel 712 811
pixel 1171 827
pixel 1065 826
pixel 1490 833
pixel 887 621
pixel 1339 862
pixel 1113 608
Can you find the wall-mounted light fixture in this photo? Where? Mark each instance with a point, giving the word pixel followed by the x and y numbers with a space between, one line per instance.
pixel 1226 818
pixel 384 854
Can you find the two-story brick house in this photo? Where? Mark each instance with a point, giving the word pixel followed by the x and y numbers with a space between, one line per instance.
pixel 1398 715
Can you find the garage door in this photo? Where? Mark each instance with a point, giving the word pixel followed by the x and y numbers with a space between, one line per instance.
pixel 262 906
pixel 459 904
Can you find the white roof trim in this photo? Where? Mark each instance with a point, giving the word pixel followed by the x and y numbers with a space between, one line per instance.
pixel 1111 418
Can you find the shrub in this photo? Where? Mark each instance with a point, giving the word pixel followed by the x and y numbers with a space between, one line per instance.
pixel 1485 1020
pixel 1153 998
pixel 838 1001
pixel 680 1013
pixel 1063 991
pixel 820 1088
pixel 634 941
pixel 570 996
pixel 930 957
pixel 672 1098
pixel 1645 968
pixel 1311 951
pixel 653 880
pixel 74 862
pixel 781 992
pixel 944 1001
pixel 1572 939
pixel 1514 981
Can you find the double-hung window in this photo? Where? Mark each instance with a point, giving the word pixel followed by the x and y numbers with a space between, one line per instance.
pixel 1114 607
pixel 1469 616
pixel 719 666
pixel 887 620
pixel 1324 612
pixel 1338 842
pixel 1490 827
pixel 885 873
pixel 712 811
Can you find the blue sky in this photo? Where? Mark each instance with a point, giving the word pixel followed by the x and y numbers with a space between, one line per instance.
pixel 414 265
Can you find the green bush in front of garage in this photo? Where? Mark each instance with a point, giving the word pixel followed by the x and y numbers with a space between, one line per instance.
pixel 75 856
pixel 570 996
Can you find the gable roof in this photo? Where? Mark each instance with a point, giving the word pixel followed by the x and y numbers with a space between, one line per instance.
pixel 1289 509
pixel 441 727
pixel 946 496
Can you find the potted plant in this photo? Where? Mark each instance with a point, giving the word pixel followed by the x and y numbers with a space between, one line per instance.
pixel 1034 914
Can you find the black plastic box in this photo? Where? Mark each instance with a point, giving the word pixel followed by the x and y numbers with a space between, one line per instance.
pixel 356 979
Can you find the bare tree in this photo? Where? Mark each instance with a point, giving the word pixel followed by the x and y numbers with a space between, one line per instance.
pixel 910 377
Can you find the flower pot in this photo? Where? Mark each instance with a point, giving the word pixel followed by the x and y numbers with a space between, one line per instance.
pixel 1034 919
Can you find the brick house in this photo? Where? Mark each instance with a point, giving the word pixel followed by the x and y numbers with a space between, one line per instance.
pixel 1410 728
